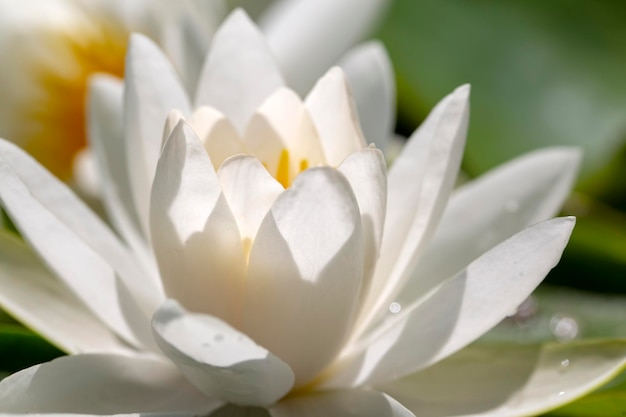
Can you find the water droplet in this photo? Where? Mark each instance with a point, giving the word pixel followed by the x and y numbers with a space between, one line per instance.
pixel 395 308
pixel 511 206
pixel 565 363
pixel 564 328
pixel 218 337
pixel 561 393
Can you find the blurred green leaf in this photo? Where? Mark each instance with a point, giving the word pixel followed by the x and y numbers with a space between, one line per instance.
pixel 609 401
pixel 543 73
pixel 20 348
pixel 543 316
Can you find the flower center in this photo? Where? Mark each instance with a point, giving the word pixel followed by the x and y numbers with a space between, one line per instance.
pixel 285 172
pixel 54 126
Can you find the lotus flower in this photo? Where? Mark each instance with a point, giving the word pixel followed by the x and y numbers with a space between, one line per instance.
pixel 56 45
pixel 276 268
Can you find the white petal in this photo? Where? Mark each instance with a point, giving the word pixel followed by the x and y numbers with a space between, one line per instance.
pixel 152 89
pixel 286 114
pixel 218 134
pixel 461 309
pixel 419 183
pixel 510 380
pixel 221 361
pixel 367 174
pixel 309 36
pixel 106 137
pixel 36 298
pixel 371 79
pixel 101 384
pixel 334 116
pixel 490 209
pixel 61 228
pixel 184 31
pixel 239 72
pixel 194 233
pixel 250 191
pixel 346 403
pixel 305 272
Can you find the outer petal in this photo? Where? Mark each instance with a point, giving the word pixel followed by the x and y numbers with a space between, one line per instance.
pixel 239 72
pixel 101 384
pixel 221 361
pixel 459 310
pixel 367 174
pixel 510 380
pixel 371 79
pixel 334 116
pixel 106 137
pixel 250 191
pixel 152 90
pixel 309 36
pixel 60 227
pixel 419 183
pixel 347 403
pixel 308 253
pixel 490 209
pixel 194 233
pixel 36 298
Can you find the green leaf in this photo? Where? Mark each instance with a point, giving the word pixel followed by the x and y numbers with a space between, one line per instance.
pixel 595 258
pixel 553 313
pixel 21 348
pixel 606 402
pixel 543 73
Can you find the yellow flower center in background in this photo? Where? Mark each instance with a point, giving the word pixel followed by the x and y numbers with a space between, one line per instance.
pixel 54 124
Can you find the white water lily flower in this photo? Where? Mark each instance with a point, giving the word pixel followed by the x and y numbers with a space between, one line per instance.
pixel 281 244
pixel 55 45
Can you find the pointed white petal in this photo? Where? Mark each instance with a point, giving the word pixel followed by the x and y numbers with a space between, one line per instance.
pixel 250 191
pixel 37 299
pixel 460 310
pixel 334 116
pixel 152 89
pixel 309 36
pixel 513 380
pixel 371 79
pixel 239 72
pixel 101 384
pixel 346 403
pixel 367 174
pixel 221 361
pixel 218 134
pixel 490 209
pixel 287 115
pixel 61 228
pixel 305 272
pixel 106 138
pixel 419 183
pixel 194 233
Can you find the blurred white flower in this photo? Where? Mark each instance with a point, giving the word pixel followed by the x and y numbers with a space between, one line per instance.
pixel 260 269
pixel 55 45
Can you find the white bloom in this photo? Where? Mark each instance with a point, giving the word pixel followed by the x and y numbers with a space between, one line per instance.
pixel 283 259
pixel 55 45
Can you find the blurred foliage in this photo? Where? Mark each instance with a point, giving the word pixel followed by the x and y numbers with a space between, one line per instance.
pixel 21 348
pixel 542 74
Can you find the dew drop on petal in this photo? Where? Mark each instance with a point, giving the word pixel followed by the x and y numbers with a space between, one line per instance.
pixel 565 363
pixel 561 393
pixel 564 328
pixel 395 308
